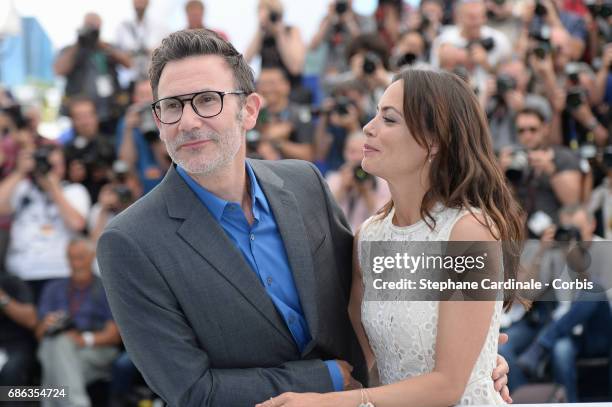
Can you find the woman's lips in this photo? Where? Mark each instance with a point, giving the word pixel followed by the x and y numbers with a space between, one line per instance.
pixel 369 149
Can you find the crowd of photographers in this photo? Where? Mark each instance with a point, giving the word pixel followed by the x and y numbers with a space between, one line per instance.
pixel 541 69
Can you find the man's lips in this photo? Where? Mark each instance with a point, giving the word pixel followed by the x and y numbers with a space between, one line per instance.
pixel 193 144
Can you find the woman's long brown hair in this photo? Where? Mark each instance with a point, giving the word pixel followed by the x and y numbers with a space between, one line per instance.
pixel 440 109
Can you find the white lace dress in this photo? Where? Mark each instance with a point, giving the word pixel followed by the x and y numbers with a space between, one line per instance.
pixel 402 334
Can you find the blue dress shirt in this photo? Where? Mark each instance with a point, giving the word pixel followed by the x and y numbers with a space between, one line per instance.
pixel 262 247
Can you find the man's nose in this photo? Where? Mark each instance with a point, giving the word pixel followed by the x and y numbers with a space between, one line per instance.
pixel 190 120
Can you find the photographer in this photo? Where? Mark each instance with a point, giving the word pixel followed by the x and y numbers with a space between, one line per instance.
pixel 117 195
pixel 285 127
pixel 368 58
pixel 582 328
pixel 545 177
pixel 486 46
pixel 340 117
pixel 580 124
pixel 358 193
pixel 90 149
pixel 17 322
pixel 427 20
pixel 90 69
pixel 138 36
pixel 46 211
pixel 279 45
pixel 409 51
pixel 138 140
pixel 506 95
pixel 339 27
pixel 545 15
pixel 78 337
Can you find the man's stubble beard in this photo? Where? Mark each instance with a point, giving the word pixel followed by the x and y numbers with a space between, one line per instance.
pixel 228 145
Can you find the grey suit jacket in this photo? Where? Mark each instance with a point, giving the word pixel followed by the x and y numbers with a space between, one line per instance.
pixel 196 319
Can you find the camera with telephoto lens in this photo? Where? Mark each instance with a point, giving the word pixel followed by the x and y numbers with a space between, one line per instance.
pixel 62 324
pixel 518 164
pixel 42 166
pixel 598 10
pixel 360 175
pixel 572 70
pixel 148 128
pixel 576 96
pixel 540 9
pixel 341 105
pixel 370 61
pixel 408 58
pixel 542 37
pixel 487 43
pixel 567 234
pixel 88 37
pixel 274 16
pixel 124 197
pixel 505 83
pixel 341 7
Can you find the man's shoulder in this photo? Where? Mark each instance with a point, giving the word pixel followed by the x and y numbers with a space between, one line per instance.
pixel 288 170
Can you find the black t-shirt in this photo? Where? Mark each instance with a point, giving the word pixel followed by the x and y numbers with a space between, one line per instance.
pixel 10 331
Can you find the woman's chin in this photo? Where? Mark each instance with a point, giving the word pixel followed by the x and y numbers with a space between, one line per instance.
pixel 369 167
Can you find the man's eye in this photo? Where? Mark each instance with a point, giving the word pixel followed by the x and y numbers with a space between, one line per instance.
pixel 172 105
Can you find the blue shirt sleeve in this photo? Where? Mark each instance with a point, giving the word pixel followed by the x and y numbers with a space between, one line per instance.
pixel 336 375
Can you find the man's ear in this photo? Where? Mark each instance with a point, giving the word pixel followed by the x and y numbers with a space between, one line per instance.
pixel 250 110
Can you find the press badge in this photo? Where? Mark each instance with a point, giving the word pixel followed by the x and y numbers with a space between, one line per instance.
pixel 104 86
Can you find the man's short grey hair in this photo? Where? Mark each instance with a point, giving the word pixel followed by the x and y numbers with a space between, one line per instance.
pixel 198 42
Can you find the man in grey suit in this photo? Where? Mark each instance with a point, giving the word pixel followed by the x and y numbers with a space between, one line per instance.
pixel 230 280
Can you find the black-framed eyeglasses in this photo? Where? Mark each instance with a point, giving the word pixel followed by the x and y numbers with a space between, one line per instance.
pixel 206 104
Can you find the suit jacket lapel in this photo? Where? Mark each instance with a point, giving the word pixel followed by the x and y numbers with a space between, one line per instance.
pixel 293 232
pixel 202 232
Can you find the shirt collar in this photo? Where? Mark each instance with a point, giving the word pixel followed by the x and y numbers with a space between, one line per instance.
pixel 217 205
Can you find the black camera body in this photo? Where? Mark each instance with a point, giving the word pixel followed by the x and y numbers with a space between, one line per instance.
pixel 42 166
pixel 370 61
pixel 568 234
pixel 274 16
pixel 540 9
pixel 341 7
pixel 576 96
pixel 518 165
pixel 505 83
pixel 88 37
pixel 148 128
pixel 487 43
pixel 407 59
pixel 341 105
pixel 599 10
pixel 63 323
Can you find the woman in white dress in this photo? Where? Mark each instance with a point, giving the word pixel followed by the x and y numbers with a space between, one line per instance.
pixel 430 142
